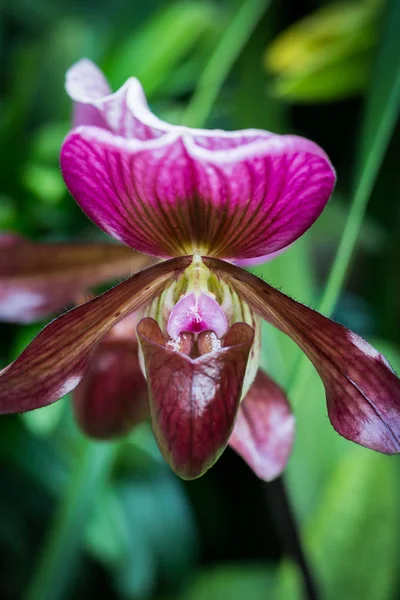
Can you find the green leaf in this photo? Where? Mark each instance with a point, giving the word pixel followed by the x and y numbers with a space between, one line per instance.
pixel 142 526
pixel 106 534
pixel 151 53
pixel 383 101
pixel 45 182
pixel 249 581
pixel 57 562
pixel 328 230
pixel 381 113
pixel 40 459
pixel 231 43
pixel 329 82
pixel 352 538
pixel 251 106
pixel 44 421
pixel 47 141
pixel 316 451
pixel 8 213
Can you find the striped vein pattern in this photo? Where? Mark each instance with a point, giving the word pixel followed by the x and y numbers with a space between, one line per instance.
pixel 166 200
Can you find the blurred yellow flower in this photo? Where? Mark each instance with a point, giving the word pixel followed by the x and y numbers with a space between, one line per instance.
pixel 326 55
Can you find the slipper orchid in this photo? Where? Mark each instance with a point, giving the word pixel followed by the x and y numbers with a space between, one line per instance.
pixel 205 201
pixel 37 279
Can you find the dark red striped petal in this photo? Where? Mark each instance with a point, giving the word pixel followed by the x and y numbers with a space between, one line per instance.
pixel 57 359
pixel 264 429
pixel 193 402
pixel 112 397
pixel 37 279
pixel 362 390
pixel 172 195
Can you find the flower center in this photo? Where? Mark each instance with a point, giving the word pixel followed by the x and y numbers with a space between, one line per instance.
pixel 196 313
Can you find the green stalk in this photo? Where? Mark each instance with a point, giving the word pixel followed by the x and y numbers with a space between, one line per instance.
pixel 381 114
pixel 228 49
pixel 359 205
pixel 92 466
pixel 94 461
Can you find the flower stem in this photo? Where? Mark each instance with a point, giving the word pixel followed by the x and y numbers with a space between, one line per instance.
pixel 359 205
pixel 61 548
pixel 286 525
pixel 228 49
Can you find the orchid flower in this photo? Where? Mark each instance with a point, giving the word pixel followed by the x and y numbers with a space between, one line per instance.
pixel 205 201
pixel 37 279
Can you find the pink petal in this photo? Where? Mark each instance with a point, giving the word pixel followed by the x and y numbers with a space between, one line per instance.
pixel 57 359
pixel 193 402
pixel 94 104
pixel 264 430
pixel 170 196
pixel 196 314
pixel 37 279
pixel 86 85
pixel 362 390
pixel 112 397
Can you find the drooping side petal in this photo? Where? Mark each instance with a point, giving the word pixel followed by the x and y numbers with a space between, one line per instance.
pixel 112 397
pixel 170 195
pixel 37 279
pixel 362 390
pixel 264 429
pixel 193 402
pixel 57 359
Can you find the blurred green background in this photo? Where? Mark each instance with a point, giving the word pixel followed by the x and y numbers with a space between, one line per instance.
pixel 80 519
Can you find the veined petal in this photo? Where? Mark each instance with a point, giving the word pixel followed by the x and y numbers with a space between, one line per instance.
pixel 193 402
pixel 86 85
pixel 362 390
pixel 57 359
pixel 96 105
pixel 264 429
pixel 36 279
pixel 112 397
pixel 171 195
